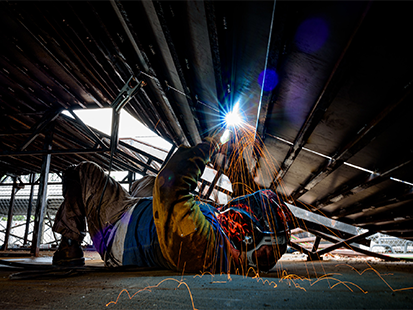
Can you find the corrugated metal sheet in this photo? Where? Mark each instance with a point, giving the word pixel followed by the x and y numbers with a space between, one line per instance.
pixel 337 93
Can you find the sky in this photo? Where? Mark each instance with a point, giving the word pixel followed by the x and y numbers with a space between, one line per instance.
pixel 129 127
pixel 101 119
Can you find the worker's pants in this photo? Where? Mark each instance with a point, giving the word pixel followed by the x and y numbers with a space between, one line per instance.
pixel 83 186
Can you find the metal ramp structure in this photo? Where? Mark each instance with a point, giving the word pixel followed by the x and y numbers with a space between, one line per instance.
pixel 339 234
pixel 391 244
pixel 335 117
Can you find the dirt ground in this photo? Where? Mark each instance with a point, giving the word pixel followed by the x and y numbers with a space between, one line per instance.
pixel 337 282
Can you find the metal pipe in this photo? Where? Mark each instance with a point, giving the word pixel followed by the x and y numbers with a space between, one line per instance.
pixel 29 208
pixel 214 182
pixel 154 83
pixel 265 71
pixel 319 107
pixel 61 63
pixel 10 214
pixel 51 152
pixel 41 198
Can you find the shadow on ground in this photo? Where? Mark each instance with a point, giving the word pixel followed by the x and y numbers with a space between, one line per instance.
pixel 334 283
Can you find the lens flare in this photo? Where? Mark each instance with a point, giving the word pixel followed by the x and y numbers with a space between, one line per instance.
pixel 311 35
pixel 268 79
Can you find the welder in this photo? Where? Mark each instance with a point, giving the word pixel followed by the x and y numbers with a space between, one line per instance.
pixel 162 224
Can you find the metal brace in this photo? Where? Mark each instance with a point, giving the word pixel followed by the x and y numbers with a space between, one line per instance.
pixel 127 92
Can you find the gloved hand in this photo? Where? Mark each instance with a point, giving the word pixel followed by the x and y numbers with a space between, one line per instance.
pixel 223 139
pixel 219 138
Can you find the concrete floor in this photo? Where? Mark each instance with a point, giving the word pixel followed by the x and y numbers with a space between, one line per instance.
pixel 337 282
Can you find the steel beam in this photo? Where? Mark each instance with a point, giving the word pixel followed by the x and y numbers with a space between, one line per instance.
pixel 41 199
pixel 214 182
pixel 368 133
pixel 265 98
pixel 46 71
pixel 316 255
pixel 38 128
pixel 381 199
pixel 153 81
pixel 324 100
pixel 386 214
pixel 50 224
pixel 29 208
pixel 61 63
pixel 347 244
pixel 173 69
pixel 392 227
pixel 86 127
pixel 145 166
pixel 215 48
pixel 134 149
pixel 131 178
pixel 364 182
pixel 201 64
pixel 123 165
pixel 168 157
pixel 56 152
pixel 75 57
pixel 10 214
pixel 310 221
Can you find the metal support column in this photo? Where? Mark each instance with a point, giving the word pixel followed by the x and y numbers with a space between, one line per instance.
pixel 316 244
pixel 41 198
pixel 10 215
pixel 171 152
pixel 49 219
pixel 29 209
pixel 214 182
pixel 131 179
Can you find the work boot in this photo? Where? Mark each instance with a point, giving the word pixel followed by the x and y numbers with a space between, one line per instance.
pixel 69 254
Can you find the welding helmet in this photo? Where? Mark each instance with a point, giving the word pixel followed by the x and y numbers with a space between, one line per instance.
pixel 257 224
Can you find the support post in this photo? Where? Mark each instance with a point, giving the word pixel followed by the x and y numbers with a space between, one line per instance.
pixel 29 209
pixel 56 239
pixel 131 179
pixel 171 152
pixel 316 244
pixel 10 215
pixel 214 182
pixel 41 198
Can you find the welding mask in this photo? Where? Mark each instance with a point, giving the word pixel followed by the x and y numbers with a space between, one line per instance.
pixel 257 224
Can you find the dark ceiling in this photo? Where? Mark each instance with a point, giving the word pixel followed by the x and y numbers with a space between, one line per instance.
pixel 336 93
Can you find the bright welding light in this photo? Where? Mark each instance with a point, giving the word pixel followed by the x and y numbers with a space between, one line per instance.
pixel 233 118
